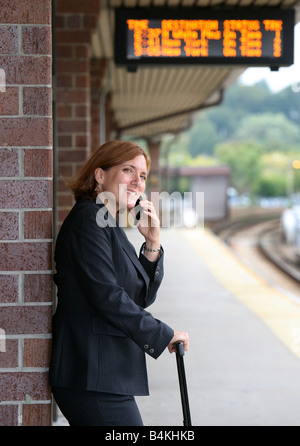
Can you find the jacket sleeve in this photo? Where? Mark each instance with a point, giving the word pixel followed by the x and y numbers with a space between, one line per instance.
pixel 90 254
pixel 155 272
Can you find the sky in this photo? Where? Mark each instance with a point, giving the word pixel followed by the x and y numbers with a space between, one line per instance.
pixel 280 79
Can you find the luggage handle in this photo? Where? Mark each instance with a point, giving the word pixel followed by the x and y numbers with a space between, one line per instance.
pixel 182 384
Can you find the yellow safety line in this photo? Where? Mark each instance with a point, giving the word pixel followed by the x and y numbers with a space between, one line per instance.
pixel 277 311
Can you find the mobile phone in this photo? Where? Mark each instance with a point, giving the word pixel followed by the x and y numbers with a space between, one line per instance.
pixel 138 210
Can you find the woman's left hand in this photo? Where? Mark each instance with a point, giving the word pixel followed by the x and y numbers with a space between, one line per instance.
pixel 149 224
pixel 149 227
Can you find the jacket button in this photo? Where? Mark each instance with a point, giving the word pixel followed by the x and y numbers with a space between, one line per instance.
pixel 151 350
pixel 146 346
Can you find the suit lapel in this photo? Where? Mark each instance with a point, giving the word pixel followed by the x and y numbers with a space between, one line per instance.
pixel 127 246
pixel 131 253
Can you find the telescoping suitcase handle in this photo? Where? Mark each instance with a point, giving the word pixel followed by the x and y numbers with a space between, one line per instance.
pixel 182 384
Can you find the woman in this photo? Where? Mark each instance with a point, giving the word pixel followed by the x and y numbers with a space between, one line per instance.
pixel 101 330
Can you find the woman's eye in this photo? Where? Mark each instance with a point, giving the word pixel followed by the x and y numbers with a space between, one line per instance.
pixel 132 172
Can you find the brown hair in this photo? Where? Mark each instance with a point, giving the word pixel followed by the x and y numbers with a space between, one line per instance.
pixel 110 154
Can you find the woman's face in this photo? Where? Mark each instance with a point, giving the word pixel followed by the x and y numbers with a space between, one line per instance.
pixel 126 181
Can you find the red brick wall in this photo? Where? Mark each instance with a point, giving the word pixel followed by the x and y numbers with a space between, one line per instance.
pixel 97 70
pixel 75 21
pixel 25 212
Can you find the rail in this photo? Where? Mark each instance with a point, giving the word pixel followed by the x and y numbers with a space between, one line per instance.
pixel 268 241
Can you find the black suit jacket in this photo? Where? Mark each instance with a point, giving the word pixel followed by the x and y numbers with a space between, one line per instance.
pixel 101 329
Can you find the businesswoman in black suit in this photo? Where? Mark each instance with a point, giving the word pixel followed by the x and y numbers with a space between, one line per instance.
pixel 101 330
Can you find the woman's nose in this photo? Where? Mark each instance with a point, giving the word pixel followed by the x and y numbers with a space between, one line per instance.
pixel 136 179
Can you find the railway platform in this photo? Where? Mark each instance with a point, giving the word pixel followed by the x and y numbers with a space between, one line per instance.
pixel 243 365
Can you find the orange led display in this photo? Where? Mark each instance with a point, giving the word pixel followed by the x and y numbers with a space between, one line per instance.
pixel 214 37
pixel 191 38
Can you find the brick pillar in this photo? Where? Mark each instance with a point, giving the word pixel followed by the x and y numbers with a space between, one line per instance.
pixel 101 100
pixel 111 124
pixel 25 212
pixel 98 69
pixel 75 22
pixel 154 177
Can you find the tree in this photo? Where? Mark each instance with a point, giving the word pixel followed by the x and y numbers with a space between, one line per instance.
pixel 272 185
pixel 272 131
pixel 248 99
pixel 287 101
pixel 224 119
pixel 244 159
pixel 254 131
pixel 203 136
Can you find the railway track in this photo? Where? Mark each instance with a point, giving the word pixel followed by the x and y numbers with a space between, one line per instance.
pixel 258 242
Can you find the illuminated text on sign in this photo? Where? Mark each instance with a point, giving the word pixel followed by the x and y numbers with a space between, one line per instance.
pixel 195 38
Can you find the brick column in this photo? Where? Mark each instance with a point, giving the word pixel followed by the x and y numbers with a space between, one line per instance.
pixel 101 98
pixel 25 212
pixel 75 22
pixel 154 177
pixel 98 68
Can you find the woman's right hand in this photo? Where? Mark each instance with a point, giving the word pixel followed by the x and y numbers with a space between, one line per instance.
pixel 179 336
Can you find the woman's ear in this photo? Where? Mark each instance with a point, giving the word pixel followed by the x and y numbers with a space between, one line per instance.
pixel 99 175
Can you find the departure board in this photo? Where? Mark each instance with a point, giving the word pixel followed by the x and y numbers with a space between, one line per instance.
pixel 189 36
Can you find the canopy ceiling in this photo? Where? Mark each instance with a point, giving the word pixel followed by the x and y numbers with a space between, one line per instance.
pixel 151 102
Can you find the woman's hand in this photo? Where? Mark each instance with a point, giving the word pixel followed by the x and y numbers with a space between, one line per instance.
pixel 149 224
pixel 149 227
pixel 179 336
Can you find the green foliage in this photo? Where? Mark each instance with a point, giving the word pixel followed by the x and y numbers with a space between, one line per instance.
pixel 248 100
pixel 254 131
pixel 244 159
pixel 272 130
pixel 272 185
pixel 203 136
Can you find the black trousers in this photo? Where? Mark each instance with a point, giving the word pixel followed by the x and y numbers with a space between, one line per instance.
pixel 88 408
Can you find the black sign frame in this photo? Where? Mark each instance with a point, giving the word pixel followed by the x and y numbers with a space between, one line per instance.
pixel 121 30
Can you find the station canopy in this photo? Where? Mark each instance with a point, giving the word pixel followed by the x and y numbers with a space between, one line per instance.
pixel 154 100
